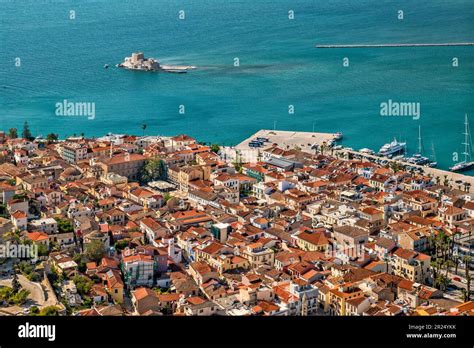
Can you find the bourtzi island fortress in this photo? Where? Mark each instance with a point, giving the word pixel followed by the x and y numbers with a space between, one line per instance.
pixel 154 225
pixel 138 62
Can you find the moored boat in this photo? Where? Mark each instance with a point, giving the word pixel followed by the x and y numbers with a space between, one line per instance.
pixel 393 148
pixel 467 163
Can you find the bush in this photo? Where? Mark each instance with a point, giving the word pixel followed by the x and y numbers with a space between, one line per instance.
pixel 64 225
pixel 34 277
pixel 121 244
pixel 95 251
pixel 11 297
pixel 83 284
pixel 81 263
pixel 49 311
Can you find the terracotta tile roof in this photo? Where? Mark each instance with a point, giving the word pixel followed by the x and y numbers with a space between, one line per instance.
pixel 196 300
pixel 19 214
pixel 38 236
pixel 315 238
pixel 141 293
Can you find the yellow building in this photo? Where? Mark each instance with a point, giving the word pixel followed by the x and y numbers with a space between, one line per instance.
pixel 339 297
pixel 312 241
pixel 257 255
pixel 411 265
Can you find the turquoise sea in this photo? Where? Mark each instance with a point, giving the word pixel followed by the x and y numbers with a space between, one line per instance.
pixel 63 58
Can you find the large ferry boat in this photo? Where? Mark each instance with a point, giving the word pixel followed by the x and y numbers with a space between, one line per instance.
pixel 393 148
pixel 467 163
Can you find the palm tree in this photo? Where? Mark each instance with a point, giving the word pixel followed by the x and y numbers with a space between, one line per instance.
pixel 143 128
pixel 445 281
pixel 456 264
pixel 448 264
pixel 467 262
pixel 386 259
pixel 465 296
pixel 446 181
pixel 323 147
pixel 436 266
pixel 13 235
pixel 431 242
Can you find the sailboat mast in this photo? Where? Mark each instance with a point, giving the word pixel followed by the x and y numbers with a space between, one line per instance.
pixel 420 150
pixel 466 139
pixel 433 151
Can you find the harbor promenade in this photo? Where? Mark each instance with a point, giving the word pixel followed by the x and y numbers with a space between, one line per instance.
pixel 452 177
pixel 305 142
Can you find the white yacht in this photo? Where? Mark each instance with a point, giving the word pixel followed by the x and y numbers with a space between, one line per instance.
pixel 393 148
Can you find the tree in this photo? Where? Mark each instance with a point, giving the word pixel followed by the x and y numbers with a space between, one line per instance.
pixel 167 197
pixel 43 250
pixel 467 262
pixel 13 133
pixel 51 137
pixel 143 128
pixel 95 251
pixel 3 210
pixel 83 284
pixel 395 166
pixel 215 148
pixel 154 169
pixel 121 244
pixel 15 283
pixel 448 264
pixel 81 264
pixel 11 296
pixel 64 226
pixel 323 147
pixel 436 266
pixel 442 282
pixel 26 134
pixel 238 162
pixel 456 264
pixel 49 311
pixel 446 180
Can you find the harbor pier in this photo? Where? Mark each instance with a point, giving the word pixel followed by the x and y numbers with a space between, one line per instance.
pixel 398 45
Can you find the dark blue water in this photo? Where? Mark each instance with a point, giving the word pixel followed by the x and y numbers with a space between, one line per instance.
pixel 279 66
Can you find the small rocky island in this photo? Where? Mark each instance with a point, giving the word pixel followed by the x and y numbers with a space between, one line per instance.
pixel 138 62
